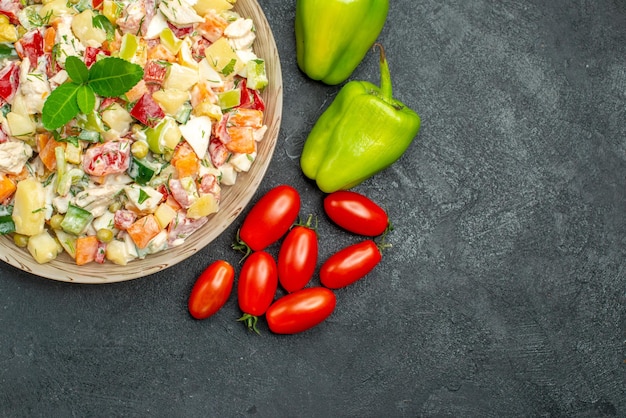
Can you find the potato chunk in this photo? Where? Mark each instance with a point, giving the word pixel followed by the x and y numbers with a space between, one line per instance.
pixel 43 247
pixel 28 208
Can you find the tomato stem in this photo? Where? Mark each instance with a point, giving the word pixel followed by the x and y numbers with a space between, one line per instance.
pixel 250 321
pixel 241 246
pixel 308 222
pixel 382 244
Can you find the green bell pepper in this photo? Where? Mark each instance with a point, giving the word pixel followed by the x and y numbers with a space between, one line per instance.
pixel 363 131
pixel 333 36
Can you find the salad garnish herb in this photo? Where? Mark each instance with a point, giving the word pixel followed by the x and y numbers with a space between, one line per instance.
pixel 108 77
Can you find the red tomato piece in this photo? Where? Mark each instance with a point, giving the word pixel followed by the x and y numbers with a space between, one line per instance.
pixel 97 4
pixel 30 46
pixel 147 111
pixel 250 99
pixel 108 158
pixel 350 264
pixel 91 55
pixel 356 213
pixel 297 257
pixel 270 218
pixel 257 286
pixel 212 290
pixel 9 81
pixel 301 310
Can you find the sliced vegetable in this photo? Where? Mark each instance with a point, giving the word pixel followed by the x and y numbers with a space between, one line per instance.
pixel 143 230
pixel 43 247
pixel 7 187
pixel 86 249
pixel 141 170
pixel 76 220
pixel 29 207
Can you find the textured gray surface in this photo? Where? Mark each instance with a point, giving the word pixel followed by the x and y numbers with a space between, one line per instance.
pixel 504 292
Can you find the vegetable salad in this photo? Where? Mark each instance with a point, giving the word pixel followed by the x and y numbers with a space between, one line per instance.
pixel 121 121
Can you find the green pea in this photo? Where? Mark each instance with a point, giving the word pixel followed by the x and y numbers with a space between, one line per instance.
pixel 104 235
pixel 20 240
pixel 139 149
pixel 55 221
pixel 115 206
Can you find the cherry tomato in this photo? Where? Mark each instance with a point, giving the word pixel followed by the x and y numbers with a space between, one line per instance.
pixel 30 46
pixel 257 286
pixel 356 213
pixel 211 290
pixel 270 218
pixel 350 264
pixel 297 257
pixel 300 310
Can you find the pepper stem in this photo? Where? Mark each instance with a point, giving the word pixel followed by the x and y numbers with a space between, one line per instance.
pixel 385 75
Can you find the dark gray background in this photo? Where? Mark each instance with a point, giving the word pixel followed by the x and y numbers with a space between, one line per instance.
pixel 503 294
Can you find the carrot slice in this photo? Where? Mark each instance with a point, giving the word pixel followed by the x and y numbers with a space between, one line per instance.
pixel 49 37
pixel 185 161
pixel 46 154
pixel 241 139
pixel 143 230
pixel 246 117
pixel 86 249
pixel 7 187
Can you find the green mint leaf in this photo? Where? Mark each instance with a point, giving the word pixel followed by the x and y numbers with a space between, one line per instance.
pixel 112 77
pixel 61 106
pixel 86 99
pixel 101 22
pixel 76 69
pixel 230 67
